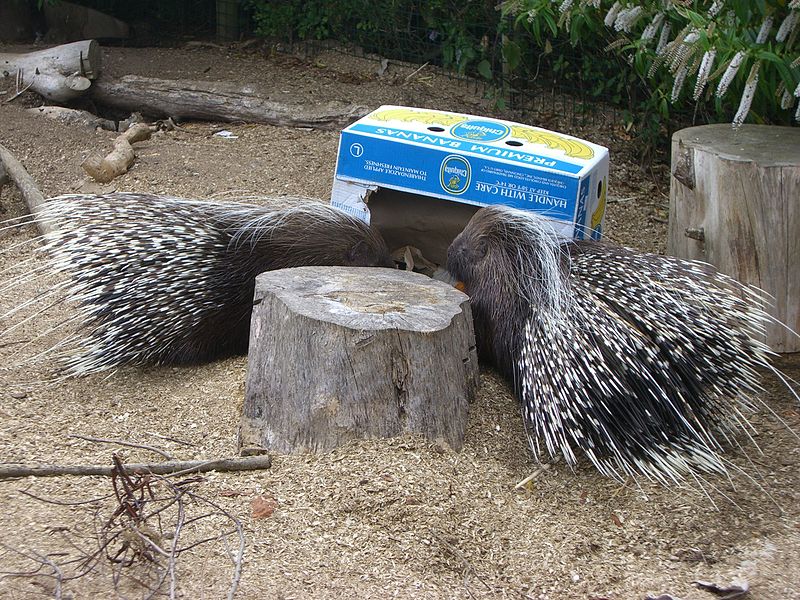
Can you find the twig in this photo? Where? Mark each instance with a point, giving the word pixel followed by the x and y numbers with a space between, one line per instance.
pixel 173 576
pixel 532 476
pixel 20 91
pixel 457 553
pixel 410 75
pixel 239 559
pixel 170 439
pixel 57 574
pixel 61 503
pixel 42 561
pixel 166 455
pixel 244 463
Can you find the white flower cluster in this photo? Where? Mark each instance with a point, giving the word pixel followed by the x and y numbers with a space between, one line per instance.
pixel 611 15
pixel 650 31
pixel 730 73
pixel 716 6
pixel 764 31
pixel 663 39
pixel 680 76
pixel 704 72
pixel 627 17
pixel 747 95
pixel 787 26
pixel 787 99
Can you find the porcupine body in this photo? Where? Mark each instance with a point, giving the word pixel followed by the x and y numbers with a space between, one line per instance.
pixel 634 359
pixel 161 280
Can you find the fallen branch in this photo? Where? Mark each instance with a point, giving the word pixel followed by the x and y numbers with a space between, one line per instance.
pixel 27 187
pixel 120 159
pixel 246 463
pixel 220 101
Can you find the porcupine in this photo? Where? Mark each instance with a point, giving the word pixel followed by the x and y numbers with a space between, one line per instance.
pixel 161 280
pixel 637 360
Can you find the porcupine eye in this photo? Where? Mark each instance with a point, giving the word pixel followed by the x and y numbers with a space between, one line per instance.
pixel 481 247
pixel 359 255
pixel 363 254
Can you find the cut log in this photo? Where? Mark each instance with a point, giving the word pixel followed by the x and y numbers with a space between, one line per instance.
pixel 341 353
pixel 734 203
pixel 220 101
pixel 61 73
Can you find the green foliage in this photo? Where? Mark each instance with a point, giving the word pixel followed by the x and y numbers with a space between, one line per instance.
pixel 462 33
pixel 680 52
pixel 662 61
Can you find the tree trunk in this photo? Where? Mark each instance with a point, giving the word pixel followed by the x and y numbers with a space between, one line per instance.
pixel 61 73
pixel 220 101
pixel 341 353
pixel 734 203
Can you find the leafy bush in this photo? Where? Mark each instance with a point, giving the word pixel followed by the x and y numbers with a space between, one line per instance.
pixel 735 59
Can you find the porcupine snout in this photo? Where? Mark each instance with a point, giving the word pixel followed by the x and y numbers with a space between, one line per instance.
pixel 462 260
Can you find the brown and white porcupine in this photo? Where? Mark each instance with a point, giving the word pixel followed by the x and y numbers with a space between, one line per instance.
pixel 637 360
pixel 161 280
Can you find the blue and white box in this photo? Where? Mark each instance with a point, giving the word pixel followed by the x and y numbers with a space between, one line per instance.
pixel 475 161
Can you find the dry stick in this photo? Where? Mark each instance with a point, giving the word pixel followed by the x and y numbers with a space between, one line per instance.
pixel 170 439
pixel 239 558
pixel 410 75
pixel 246 463
pixel 20 91
pixel 120 159
pixel 457 553
pixel 27 187
pixel 166 455
pixel 532 476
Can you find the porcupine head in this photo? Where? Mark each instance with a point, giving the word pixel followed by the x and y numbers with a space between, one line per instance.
pixel 511 266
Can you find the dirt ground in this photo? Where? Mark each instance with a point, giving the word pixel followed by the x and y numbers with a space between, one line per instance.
pixel 394 518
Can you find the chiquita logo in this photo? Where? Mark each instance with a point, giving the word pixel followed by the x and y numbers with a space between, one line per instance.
pixel 455 175
pixel 480 131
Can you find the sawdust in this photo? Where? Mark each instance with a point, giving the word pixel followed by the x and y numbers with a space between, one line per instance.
pixel 382 519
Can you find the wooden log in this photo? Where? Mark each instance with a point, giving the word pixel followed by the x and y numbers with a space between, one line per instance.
pixel 340 353
pixel 61 73
pixel 734 203
pixel 27 187
pixel 220 101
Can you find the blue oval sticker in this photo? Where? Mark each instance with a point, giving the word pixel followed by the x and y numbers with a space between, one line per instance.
pixel 455 174
pixel 480 131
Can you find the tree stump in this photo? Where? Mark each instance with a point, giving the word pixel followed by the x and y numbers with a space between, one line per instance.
pixel 735 203
pixel 341 353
